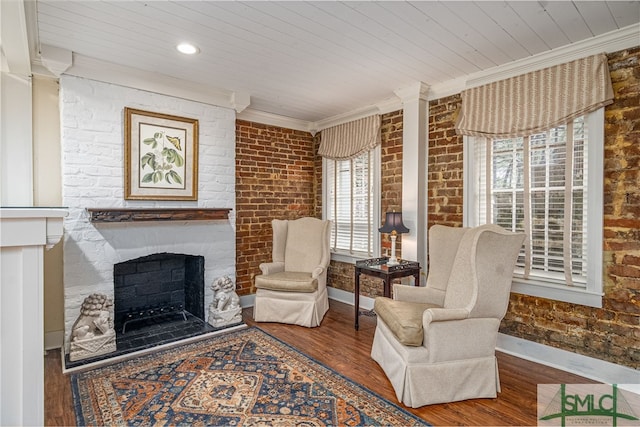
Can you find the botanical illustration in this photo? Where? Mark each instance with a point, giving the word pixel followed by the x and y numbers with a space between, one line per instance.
pixel 160 156
pixel 162 161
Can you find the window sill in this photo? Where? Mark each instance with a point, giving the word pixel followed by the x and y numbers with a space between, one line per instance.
pixel 349 259
pixel 557 292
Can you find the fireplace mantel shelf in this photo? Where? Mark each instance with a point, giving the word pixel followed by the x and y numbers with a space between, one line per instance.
pixel 157 214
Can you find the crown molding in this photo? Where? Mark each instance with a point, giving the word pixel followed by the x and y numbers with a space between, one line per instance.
pixel 612 41
pixel 350 116
pixel 389 105
pixel 386 106
pixel 257 116
pixel 416 92
pixel 448 88
pixel 108 72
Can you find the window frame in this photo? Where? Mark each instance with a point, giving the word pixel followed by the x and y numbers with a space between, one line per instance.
pixel 592 294
pixel 343 256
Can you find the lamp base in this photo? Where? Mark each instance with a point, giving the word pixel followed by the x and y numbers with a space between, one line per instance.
pixel 392 259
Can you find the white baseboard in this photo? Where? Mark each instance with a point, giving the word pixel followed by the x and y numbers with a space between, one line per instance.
pixel 247 300
pixel 53 340
pixel 585 366
pixel 366 303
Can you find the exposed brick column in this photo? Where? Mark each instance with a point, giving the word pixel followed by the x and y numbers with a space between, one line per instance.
pixel 445 180
pixel 391 174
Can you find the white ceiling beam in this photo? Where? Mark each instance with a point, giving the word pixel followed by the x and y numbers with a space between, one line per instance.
pixel 14 39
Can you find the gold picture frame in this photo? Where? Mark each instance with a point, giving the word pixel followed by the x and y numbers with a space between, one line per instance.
pixel 160 156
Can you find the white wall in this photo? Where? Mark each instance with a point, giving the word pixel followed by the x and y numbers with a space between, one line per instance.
pixel 16 149
pixel 92 145
pixel 47 191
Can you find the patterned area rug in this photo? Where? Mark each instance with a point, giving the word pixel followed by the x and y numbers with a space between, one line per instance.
pixel 240 378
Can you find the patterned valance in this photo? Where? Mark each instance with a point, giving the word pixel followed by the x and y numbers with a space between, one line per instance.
pixel 536 101
pixel 349 140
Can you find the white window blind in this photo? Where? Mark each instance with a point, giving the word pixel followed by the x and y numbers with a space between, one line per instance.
pixel 542 185
pixel 350 203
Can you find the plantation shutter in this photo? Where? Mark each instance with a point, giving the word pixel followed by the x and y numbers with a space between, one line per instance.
pixel 538 184
pixel 350 204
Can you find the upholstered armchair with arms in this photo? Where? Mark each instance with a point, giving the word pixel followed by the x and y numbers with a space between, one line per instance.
pixel 437 343
pixel 293 287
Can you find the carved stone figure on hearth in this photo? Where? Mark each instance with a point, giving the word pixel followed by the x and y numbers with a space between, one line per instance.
pixel 225 308
pixel 93 332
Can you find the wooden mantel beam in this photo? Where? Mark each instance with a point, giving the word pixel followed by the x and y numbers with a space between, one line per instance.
pixel 157 214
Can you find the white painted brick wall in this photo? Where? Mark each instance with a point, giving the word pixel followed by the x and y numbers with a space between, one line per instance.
pixel 92 117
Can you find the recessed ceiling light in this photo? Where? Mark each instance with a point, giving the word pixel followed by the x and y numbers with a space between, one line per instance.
pixel 187 48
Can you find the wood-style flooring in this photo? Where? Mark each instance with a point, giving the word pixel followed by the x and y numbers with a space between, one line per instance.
pixel 336 344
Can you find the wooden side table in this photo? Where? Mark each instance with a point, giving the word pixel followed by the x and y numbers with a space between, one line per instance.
pixel 378 267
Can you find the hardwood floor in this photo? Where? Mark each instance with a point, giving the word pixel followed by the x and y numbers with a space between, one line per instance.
pixel 336 344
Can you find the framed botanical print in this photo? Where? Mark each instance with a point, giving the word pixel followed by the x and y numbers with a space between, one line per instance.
pixel 161 156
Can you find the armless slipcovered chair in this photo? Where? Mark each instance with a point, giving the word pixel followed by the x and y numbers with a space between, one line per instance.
pixel 437 343
pixel 293 288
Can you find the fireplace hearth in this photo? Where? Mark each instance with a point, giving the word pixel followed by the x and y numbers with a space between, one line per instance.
pixel 158 299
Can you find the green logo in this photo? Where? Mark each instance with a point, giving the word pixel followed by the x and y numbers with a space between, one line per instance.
pixel 586 404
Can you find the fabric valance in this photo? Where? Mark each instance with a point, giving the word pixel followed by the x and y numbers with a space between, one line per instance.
pixel 349 140
pixel 536 101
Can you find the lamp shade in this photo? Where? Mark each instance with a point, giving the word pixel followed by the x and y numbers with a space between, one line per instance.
pixel 393 222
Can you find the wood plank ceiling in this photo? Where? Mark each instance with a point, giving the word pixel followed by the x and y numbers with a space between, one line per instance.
pixel 317 59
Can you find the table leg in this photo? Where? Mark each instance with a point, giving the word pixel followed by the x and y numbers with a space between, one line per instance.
pixel 357 297
pixel 416 276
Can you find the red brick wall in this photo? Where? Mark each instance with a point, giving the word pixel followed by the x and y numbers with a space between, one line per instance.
pixel 613 332
pixel 391 174
pixel 275 179
pixel 444 190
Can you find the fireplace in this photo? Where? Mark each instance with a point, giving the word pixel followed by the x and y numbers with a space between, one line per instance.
pixel 92 179
pixel 157 288
pixel 158 299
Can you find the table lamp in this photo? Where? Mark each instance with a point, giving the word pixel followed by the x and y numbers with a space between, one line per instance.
pixel 393 225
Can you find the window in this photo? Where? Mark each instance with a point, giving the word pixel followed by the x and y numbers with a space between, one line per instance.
pixel 351 202
pixel 548 185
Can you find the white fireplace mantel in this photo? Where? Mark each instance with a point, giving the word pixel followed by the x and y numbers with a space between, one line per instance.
pixel 24 234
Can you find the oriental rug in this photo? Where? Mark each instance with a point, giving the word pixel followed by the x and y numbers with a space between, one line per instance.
pixel 240 378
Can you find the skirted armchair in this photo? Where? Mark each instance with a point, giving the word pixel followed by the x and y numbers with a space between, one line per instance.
pixel 437 343
pixel 293 287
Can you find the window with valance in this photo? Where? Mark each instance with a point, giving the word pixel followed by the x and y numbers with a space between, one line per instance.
pixel 351 168
pixel 533 163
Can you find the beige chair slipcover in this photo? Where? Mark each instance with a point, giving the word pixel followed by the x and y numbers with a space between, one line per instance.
pixel 293 287
pixel 437 343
